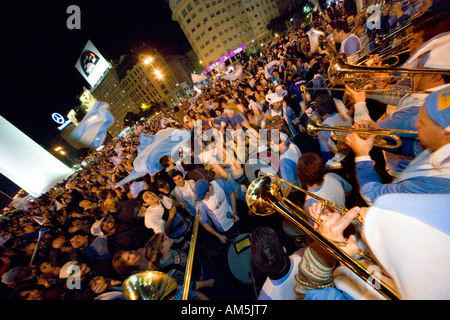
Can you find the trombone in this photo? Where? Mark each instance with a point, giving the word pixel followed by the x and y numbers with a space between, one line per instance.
pixel 384 139
pixel 387 54
pixel 264 197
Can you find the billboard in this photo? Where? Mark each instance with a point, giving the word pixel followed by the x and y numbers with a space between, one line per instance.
pixel 26 163
pixel 91 64
pixel 224 58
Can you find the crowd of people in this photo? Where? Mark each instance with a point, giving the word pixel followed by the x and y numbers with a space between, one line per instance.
pixel 83 238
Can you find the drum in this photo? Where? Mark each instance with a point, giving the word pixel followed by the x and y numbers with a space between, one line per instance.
pixel 280 125
pixel 294 233
pixel 239 258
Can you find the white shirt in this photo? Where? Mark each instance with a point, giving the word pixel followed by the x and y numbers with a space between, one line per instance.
pixel 284 288
pixel 187 193
pixel 220 208
pixel 153 218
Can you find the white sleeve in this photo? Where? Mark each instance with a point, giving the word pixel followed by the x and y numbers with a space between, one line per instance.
pixel 361 112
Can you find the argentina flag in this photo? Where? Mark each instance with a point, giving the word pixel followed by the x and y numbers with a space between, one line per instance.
pixel 198 77
pixel 268 69
pixel 236 74
pixel 93 128
pixel 151 148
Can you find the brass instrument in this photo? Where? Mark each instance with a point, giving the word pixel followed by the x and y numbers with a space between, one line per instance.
pixel 188 272
pixel 386 6
pixel 156 285
pixel 392 52
pixel 342 73
pixel 150 285
pixel 384 136
pixel 264 197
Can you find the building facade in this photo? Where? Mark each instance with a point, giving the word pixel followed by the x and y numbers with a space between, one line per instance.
pixel 182 67
pixel 147 78
pixel 109 89
pixel 216 27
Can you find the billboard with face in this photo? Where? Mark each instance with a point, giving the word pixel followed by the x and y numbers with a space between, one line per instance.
pixel 91 64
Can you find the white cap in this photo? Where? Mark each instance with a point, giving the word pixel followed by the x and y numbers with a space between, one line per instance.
pixel 276 97
pixel 68 270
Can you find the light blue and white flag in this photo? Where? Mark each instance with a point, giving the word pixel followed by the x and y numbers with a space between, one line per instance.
pixel 236 74
pixel 93 128
pixel 165 142
pixel 198 92
pixel 116 160
pixel 198 77
pixel 40 220
pixel 314 38
pixel 268 69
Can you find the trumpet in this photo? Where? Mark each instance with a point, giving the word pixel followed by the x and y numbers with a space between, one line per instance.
pixel 264 197
pixel 386 138
pixel 357 77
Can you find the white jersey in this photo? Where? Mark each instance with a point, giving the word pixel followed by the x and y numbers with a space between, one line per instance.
pixel 284 288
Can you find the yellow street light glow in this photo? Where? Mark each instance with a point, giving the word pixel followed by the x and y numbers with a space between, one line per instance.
pixel 148 60
pixel 58 148
pixel 158 74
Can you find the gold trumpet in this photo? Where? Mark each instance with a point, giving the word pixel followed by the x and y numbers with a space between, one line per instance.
pixel 386 138
pixel 357 76
pixel 264 197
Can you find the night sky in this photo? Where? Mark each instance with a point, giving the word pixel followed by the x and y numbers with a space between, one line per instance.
pixel 39 52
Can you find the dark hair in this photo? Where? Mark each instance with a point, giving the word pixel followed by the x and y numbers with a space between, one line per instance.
pixel 341 25
pixel 110 217
pixel 103 193
pixel 324 104
pixel 310 169
pixel 161 183
pixel 432 26
pixel 173 173
pixel 164 161
pixel 140 195
pixel 267 250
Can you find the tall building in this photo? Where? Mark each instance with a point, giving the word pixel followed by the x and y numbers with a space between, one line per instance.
pixel 214 28
pixel 182 67
pixel 104 82
pixel 109 89
pixel 147 78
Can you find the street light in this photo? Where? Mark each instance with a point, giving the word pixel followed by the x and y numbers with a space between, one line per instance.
pixel 149 61
pixel 61 151
pixel 158 74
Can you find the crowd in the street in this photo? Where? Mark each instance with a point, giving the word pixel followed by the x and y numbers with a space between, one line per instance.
pixel 88 234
